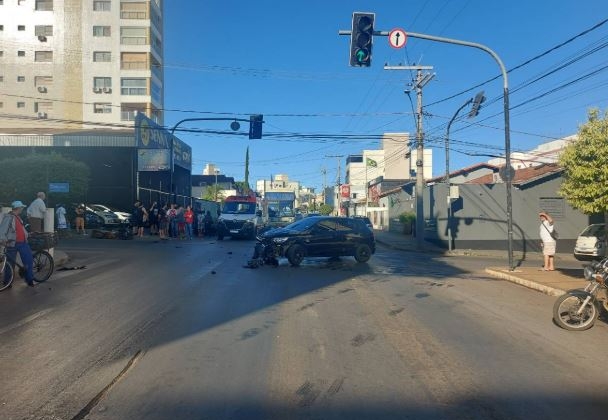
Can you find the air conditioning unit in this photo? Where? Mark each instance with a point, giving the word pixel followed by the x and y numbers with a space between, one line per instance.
pixel 42 89
pixel 97 90
pixel 41 38
pixel 42 115
pixel 107 90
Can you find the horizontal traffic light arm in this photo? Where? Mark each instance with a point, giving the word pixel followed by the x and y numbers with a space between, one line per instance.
pixel 207 119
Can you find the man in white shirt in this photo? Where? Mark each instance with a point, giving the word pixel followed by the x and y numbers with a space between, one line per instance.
pixel 35 213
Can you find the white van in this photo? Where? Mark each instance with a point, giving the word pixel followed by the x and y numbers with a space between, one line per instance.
pixel 591 243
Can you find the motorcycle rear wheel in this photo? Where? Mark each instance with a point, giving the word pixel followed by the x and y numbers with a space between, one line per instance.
pixel 565 312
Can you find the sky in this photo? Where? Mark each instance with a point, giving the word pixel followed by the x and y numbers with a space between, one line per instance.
pixel 285 60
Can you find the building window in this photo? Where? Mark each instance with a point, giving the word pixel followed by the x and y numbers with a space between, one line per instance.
pixel 1 79
pixel 135 10
pixel 134 61
pixel 43 83
pixel 102 82
pixel 43 30
pixel 156 92
pixel 44 5
pixel 21 27
pixel 20 2
pixel 156 43
pixel 20 53
pixel 134 36
pixel 43 56
pixel 20 104
pixel 1 53
pixel 101 31
pixel 1 27
pixel 1 103
pixel 102 108
pixel 43 107
pixel 102 56
pixel 101 5
pixel 21 78
pixel 133 86
pixel 129 111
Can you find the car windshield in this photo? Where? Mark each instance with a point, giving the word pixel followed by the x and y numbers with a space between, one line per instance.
pixel 594 230
pixel 233 207
pixel 302 225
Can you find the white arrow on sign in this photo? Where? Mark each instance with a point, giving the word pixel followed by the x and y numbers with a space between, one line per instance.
pixel 397 38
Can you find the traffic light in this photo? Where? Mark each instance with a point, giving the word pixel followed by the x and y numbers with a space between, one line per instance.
pixel 255 126
pixel 479 99
pixel 361 38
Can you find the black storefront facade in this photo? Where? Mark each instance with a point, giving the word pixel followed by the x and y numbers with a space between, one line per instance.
pixel 125 165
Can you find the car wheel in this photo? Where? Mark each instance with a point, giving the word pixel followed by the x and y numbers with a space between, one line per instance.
pixel 295 254
pixel 363 253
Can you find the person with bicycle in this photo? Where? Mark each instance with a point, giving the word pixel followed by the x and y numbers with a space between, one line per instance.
pixel 14 237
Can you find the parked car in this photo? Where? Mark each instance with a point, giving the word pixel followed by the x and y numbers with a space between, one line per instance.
pixel 591 243
pixel 318 236
pixel 123 217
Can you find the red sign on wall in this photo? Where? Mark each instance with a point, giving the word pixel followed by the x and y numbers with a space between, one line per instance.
pixel 345 191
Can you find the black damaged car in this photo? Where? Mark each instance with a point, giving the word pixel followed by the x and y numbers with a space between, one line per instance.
pixel 317 236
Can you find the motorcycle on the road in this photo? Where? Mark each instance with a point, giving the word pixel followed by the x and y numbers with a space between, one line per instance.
pixel 578 309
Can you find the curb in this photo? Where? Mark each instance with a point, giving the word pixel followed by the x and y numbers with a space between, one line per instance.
pixel 408 249
pixel 551 291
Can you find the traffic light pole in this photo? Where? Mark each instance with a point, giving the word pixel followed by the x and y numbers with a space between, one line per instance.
pixel 508 177
pixel 508 180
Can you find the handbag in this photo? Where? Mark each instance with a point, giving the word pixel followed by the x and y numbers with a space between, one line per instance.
pixel 553 234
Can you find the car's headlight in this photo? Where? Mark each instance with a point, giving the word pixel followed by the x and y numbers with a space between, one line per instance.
pixel 279 240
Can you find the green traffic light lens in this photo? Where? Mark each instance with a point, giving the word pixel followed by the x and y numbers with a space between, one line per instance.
pixel 362 55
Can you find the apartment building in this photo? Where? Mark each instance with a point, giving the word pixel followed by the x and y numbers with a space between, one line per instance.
pixel 80 63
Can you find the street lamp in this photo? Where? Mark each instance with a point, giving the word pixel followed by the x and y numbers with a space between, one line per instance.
pixel 479 98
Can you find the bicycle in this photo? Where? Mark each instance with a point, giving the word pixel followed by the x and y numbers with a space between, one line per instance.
pixel 43 263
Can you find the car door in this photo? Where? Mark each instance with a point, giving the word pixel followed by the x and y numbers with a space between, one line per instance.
pixel 321 240
pixel 347 236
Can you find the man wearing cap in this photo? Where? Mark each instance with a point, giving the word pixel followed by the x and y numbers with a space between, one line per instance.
pixel 35 212
pixel 14 236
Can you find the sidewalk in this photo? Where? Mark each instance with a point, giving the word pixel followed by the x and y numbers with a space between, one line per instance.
pixel 553 283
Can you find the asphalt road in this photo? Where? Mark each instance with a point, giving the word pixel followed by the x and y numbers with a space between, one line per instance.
pixel 181 330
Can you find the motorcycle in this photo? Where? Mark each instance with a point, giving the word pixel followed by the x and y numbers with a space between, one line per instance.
pixel 578 309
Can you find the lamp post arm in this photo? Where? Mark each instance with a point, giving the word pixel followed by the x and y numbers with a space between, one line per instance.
pixel 447 140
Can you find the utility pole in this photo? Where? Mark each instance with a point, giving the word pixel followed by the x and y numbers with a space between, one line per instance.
pixel 324 172
pixel 338 184
pixel 422 78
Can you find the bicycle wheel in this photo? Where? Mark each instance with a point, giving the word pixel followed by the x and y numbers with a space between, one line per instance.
pixel 6 274
pixel 43 266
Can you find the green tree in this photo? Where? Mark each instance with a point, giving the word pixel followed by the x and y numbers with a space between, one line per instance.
pixel 23 177
pixel 585 163
pixel 325 209
pixel 213 192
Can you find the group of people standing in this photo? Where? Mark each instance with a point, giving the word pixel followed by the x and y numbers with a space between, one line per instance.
pixel 169 221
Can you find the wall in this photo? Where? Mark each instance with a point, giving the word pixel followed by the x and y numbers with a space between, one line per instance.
pixel 479 216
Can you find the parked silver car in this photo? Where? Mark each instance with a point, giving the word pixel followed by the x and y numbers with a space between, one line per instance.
pixel 591 243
